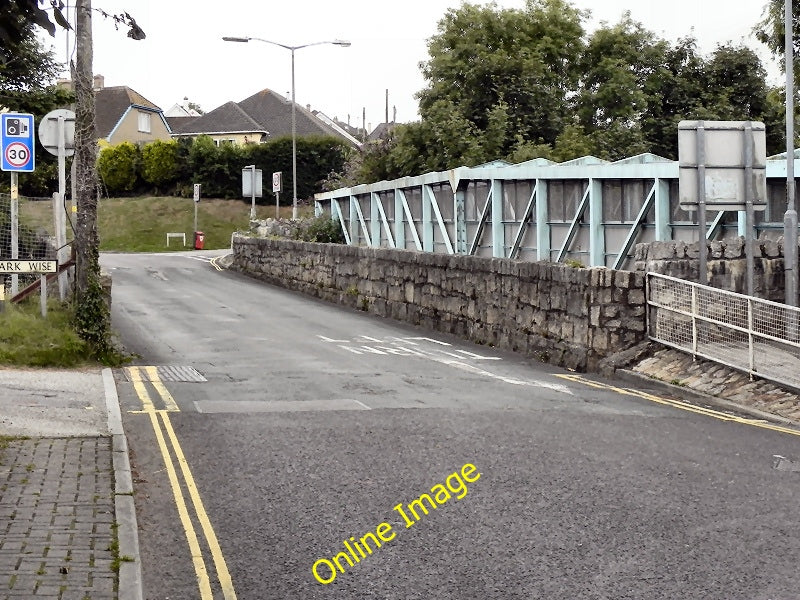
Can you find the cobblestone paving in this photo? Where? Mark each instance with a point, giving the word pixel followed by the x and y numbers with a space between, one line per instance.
pixel 673 366
pixel 56 519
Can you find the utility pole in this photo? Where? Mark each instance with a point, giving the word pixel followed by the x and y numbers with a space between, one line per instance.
pixel 86 240
pixel 790 217
pixel 93 322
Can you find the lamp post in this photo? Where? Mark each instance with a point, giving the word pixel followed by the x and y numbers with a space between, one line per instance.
pixel 292 49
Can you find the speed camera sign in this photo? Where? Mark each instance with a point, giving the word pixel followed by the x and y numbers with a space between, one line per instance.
pixel 16 142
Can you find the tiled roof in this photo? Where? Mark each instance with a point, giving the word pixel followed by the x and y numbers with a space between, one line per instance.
pixel 112 102
pixel 176 123
pixel 264 111
pixel 381 131
pixel 275 113
pixel 228 118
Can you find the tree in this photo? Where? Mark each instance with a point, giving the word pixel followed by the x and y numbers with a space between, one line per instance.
pixel 489 66
pixel 771 30
pixel 19 16
pixel 674 93
pixel 615 67
pixel 26 86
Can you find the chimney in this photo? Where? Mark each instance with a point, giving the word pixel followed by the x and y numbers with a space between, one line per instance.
pixel 308 107
pixel 99 82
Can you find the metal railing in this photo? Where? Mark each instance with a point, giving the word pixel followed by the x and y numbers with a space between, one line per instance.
pixel 756 336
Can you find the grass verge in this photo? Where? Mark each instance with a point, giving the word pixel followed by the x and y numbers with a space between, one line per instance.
pixel 142 224
pixel 26 339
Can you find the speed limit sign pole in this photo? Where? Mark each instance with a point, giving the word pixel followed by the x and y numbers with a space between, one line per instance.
pixel 14 228
pixel 17 156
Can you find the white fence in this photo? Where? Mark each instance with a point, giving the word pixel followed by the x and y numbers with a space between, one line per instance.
pixel 756 336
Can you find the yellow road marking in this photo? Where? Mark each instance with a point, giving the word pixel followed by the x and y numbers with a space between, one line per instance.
pixel 709 412
pixel 136 378
pixel 202 516
pixel 203 580
pixel 169 401
pixel 213 262
pixel 194 546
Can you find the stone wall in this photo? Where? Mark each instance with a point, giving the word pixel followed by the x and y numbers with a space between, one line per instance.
pixel 558 314
pixel 726 261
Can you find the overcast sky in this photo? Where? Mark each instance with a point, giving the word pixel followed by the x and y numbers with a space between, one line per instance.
pixel 184 55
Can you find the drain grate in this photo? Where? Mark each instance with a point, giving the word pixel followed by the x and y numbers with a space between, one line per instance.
pixel 176 374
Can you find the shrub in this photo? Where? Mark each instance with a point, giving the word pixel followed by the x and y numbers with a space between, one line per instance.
pixel 323 229
pixel 160 163
pixel 118 167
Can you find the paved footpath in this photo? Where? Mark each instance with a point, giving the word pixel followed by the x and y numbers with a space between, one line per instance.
pixel 65 506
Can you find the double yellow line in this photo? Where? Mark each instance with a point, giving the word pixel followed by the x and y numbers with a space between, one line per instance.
pixel 159 418
pixel 700 410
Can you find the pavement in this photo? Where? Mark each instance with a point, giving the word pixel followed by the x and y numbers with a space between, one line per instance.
pixel 67 518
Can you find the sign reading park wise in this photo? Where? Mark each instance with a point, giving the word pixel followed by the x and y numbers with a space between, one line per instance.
pixel 28 266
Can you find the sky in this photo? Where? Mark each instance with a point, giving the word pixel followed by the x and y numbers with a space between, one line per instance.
pixel 184 55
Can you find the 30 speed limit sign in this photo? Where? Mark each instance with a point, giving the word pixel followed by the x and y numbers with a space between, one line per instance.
pixel 17 155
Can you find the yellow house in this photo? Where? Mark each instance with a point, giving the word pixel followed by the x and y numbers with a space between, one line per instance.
pixel 124 115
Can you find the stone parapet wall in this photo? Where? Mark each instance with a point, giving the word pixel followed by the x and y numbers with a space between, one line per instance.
pixel 726 261
pixel 562 315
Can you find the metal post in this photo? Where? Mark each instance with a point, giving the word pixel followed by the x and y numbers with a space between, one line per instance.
pixel 748 200
pixel 790 218
pixel 294 148
pixel 252 192
pixel 694 321
pixel 14 228
pixel 2 294
pixel 750 346
pixel 195 217
pixel 277 205
pixel 701 201
pixel 59 216
pixel 43 295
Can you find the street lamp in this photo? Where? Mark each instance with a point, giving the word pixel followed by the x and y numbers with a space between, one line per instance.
pixel 342 43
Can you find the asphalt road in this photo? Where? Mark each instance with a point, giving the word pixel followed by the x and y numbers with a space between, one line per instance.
pixel 314 422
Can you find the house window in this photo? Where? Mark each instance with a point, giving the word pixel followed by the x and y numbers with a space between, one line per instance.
pixel 144 122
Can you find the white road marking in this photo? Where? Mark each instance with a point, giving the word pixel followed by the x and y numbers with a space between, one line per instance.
pixel 556 387
pixel 327 339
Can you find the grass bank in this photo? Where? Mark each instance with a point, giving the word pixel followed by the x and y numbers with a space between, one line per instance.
pixel 141 224
pixel 26 339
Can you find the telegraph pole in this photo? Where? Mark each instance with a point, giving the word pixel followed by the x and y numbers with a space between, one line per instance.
pixel 790 218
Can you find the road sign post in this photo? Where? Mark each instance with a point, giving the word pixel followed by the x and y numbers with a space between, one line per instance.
pixel 57 136
pixel 196 202
pixel 276 189
pixel 16 156
pixel 251 186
